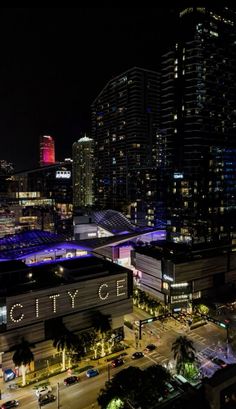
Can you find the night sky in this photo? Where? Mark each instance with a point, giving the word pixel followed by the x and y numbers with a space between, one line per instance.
pixel 54 62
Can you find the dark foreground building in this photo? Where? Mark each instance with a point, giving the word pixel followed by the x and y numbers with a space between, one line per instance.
pixel 35 299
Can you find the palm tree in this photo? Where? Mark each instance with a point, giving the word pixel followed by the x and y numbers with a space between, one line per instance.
pixel 184 352
pixel 101 324
pixel 64 340
pixel 22 356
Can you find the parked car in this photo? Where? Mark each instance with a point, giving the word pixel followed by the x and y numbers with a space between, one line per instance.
pixel 47 399
pixel 92 372
pixel 117 362
pixel 150 347
pixel 71 380
pixel 43 390
pixel 10 404
pixel 137 355
pixel 218 361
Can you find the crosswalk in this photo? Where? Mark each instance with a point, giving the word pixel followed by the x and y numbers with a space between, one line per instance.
pixel 190 334
pixel 156 357
pixel 197 337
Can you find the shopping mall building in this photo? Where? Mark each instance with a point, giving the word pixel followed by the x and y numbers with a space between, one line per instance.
pixel 34 296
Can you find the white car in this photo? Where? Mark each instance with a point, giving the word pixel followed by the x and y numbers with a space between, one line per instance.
pixel 43 390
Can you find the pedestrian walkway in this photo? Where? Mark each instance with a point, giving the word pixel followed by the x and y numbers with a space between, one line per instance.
pixel 196 337
pixel 157 358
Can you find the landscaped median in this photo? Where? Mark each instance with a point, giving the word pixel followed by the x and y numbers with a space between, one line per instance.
pixel 43 375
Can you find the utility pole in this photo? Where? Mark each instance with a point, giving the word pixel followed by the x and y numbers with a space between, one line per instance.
pixel 58 396
pixel 140 330
pixel 108 373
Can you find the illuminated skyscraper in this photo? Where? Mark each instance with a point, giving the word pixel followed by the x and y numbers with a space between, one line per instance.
pixel 198 125
pixel 125 117
pixel 47 150
pixel 82 152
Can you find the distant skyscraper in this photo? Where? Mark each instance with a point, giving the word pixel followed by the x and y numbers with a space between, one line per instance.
pixel 47 150
pixel 198 125
pixel 125 119
pixel 82 152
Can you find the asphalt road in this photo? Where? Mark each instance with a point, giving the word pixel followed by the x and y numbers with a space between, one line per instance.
pixel 83 395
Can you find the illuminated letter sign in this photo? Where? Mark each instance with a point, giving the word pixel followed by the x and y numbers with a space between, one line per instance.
pixel 119 285
pixel 100 292
pixel 63 174
pixel 37 308
pixel 72 296
pixel 20 317
pixel 54 297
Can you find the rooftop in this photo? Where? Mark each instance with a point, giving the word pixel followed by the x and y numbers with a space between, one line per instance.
pixel 54 274
pixel 180 253
pixel 222 375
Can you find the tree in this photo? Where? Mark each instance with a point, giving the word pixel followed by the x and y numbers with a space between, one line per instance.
pixel 64 340
pixel 101 324
pixel 125 385
pixel 154 385
pixel 184 353
pixel 202 309
pixel 23 356
pixel 133 386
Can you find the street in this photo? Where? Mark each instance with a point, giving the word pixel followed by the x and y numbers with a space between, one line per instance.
pixel 209 341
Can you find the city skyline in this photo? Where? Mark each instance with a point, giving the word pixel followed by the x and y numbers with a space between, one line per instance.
pixel 56 61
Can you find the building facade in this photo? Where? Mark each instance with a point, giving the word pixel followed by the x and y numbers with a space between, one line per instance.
pixel 177 275
pixel 125 119
pixel 83 164
pixel 46 192
pixel 198 125
pixel 47 150
pixel 33 299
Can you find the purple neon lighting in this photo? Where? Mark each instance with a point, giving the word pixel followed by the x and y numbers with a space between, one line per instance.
pixel 57 260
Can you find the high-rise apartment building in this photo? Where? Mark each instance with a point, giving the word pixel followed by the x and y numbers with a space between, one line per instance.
pixel 47 150
pixel 198 125
pixel 125 121
pixel 83 158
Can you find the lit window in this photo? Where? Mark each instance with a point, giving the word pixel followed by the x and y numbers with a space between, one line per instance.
pixel 176 75
pixel 175 116
pixel 165 286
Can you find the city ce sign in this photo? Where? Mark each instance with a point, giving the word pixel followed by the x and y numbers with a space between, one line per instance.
pixel 85 295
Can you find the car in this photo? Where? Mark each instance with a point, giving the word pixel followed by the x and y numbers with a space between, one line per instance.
pixel 170 387
pixel 9 375
pixel 150 347
pixel 117 362
pixel 44 400
pixel 92 372
pixel 43 390
pixel 137 355
pixel 10 404
pixel 71 380
pixel 218 361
